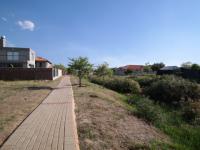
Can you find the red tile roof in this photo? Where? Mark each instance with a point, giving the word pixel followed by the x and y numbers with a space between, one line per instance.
pixel 40 59
pixel 133 67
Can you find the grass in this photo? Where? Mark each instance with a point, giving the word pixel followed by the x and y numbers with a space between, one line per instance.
pixel 104 120
pixel 175 121
pixel 181 123
pixel 184 136
pixel 18 99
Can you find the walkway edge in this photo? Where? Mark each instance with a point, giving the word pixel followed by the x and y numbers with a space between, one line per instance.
pixel 74 117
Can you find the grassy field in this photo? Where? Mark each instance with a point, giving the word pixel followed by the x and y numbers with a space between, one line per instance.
pixel 104 121
pixel 18 99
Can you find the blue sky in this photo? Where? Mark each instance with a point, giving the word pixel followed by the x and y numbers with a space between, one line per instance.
pixel 119 32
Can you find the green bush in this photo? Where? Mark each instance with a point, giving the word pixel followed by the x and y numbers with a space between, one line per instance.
pixel 190 114
pixel 170 89
pixel 146 80
pixel 119 84
pixel 183 135
pixel 146 109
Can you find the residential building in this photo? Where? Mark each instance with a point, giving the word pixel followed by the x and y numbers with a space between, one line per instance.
pixel 22 64
pixel 133 68
pixel 15 56
pixel 42 63
pixel 168 70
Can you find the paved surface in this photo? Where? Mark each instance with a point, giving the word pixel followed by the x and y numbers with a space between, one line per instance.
pixel 51 126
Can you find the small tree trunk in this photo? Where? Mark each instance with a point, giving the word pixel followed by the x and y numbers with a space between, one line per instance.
pixel 80 81
pixel 103 81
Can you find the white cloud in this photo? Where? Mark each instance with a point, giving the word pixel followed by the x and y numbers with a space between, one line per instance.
pixel 4 19
pixel 26 25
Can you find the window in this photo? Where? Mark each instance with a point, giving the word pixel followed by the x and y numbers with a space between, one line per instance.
pixel 12 55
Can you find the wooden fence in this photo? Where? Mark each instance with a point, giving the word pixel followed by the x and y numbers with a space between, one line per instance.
pixel 27 73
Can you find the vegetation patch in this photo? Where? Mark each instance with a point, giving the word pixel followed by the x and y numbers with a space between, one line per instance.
pixel 104 120
pixel 119 84
pixel 170 120
pixel 146 80
pixel 172 89
pixel 167 102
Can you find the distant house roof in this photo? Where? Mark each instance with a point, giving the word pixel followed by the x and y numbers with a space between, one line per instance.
pixel 170 68
pixel 133 67
pixel 41 59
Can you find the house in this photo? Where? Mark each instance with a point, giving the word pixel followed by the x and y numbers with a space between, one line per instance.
pixel 15 56
pixel 168 70
pixel 133 68
pixel 42 63
pixel 22 64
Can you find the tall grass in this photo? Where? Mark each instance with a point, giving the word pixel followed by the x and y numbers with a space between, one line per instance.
pixel 184 136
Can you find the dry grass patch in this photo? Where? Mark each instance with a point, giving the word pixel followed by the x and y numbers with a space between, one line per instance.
pixel 18 99
pixel 104 122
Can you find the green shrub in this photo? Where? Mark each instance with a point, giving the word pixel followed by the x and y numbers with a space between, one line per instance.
pixel 189 114
pixel 146 109
pixel 119 84
pixel 170 89
pixel 145 81
pixel 170 121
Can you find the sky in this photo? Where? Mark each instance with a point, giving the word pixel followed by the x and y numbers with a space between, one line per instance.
pixel 119 32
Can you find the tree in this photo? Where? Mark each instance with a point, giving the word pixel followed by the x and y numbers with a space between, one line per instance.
pixel 186 65
pixel 104 70
pixel 81 67
pixel 195 67
pixel 157 66
pixel 147 67
pixel 62 67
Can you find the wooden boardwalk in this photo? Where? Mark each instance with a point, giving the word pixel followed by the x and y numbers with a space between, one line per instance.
pixel 51 126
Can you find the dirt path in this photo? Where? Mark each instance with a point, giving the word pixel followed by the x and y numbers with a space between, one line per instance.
pixel 50 126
